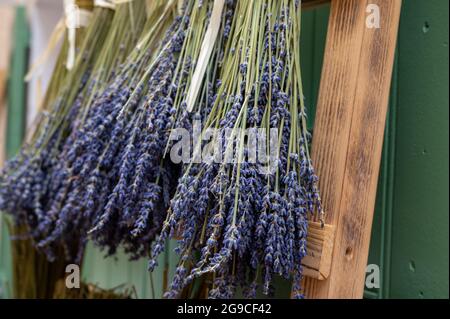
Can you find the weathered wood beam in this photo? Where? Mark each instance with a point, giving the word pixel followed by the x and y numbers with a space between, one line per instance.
pixel 349 127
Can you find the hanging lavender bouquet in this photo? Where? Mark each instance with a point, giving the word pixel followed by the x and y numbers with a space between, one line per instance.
pixel 90 162
pixel 29 181
pixel 104 165
pixel 112 184
pixel 142 179
pixel 239 220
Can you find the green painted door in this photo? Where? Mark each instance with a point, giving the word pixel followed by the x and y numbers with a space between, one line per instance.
pixel 419 209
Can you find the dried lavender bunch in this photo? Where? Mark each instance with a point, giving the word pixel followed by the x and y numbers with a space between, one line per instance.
pixel 243 221
pixel 110 151
pixel 92 161
pixel 144 181
pixel 30 165
pixel 30 182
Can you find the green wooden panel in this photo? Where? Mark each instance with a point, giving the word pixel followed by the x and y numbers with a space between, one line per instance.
pixel 314 31
pixel 419 261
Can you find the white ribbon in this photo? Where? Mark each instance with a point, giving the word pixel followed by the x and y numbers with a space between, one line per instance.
pixel 105 4
pixel 109 4
pixel 75 18
pixel 116 2
pixel 55 37
pixel 205 53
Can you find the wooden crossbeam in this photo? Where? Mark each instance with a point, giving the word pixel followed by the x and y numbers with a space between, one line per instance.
pixel 347 143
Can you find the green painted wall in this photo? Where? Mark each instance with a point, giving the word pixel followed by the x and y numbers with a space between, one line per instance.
pixel 410 230
pixel 420 211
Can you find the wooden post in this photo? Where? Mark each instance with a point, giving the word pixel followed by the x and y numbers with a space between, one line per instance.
pixel 349 127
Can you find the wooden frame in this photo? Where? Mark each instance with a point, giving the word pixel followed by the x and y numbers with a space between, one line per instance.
pixel 347 143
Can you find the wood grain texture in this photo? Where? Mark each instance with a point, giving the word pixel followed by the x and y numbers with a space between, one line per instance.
pixel 317 263
pixel 348 137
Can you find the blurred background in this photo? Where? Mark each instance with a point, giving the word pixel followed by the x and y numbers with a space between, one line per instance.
pixel 411 226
